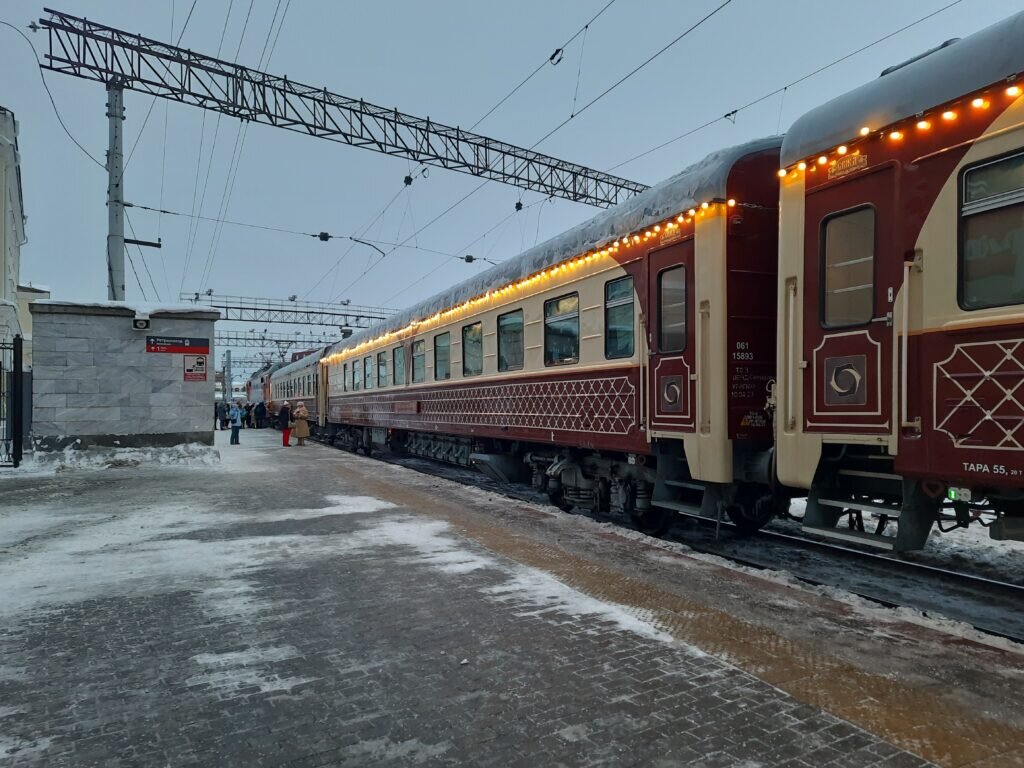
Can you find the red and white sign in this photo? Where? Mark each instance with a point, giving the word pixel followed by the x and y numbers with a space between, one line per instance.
pixel 177 345
pixel 195 367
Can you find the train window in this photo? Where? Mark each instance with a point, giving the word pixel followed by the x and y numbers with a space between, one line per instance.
pixel 443 356
pixel 357 375
pixel 419 361
pixel 618 318
pixel 344 378
pixel 672 310
pixel 992 234
pixel 562 330
pixel 398 356
pixel 848 273
pixel 510 341
pixel 382 369
pixel 472 349
pixel 367 372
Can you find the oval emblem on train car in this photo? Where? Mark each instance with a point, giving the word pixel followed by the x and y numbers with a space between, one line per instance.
pixel 846 380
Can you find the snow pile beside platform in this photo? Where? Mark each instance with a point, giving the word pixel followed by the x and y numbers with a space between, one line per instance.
pixel 972 549
pixel 72 458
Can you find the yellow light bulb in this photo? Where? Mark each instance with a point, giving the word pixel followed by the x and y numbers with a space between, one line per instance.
pixel 704 206
pixel 822 160
pixel 781 174
pixel 732 203
pixel 615 244
pixel 693 211
pixel 979 103
pixel 680 218
pixel 865 131
pixel 657 228
pixel 949 115
pixel 801 166
pixel 895 135
pixel 647 233
pixel 1013 90
pixel 841 149
pixel 923 125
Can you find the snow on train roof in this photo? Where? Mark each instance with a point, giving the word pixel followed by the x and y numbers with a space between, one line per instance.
pixel 303 362
pixel 701 182
pixel 943 74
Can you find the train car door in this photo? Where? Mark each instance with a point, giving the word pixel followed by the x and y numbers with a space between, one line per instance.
pixel 853 270
pixel 672 369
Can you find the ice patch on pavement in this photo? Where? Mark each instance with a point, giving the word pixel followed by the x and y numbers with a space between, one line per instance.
pixel 351 505
pixel 236 671
pixel 20 748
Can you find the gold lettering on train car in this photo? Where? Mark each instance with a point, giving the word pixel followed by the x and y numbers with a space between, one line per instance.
pixel 846 165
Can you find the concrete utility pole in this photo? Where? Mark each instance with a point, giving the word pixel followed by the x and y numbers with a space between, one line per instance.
pixel 115 190
pixel 227 376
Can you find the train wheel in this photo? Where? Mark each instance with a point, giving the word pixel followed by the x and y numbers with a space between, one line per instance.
pixel 559 500
pixel 751 510
pixel 654 521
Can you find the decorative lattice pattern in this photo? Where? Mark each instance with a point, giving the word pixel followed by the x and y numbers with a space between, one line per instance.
pixel 976 399
pixel 599 405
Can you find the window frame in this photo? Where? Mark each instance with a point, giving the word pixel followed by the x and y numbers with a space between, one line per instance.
pixel 686 309
pixel 396 354
pixel 367 372
pixel 423 354
pixel 478 324
pixel 357 381
pixel 961 190
pixel 822 227
pixel 621 303
pixel 344 377
pixel 382 355
pixel 544 319
pixel 522 340
pixel 437 336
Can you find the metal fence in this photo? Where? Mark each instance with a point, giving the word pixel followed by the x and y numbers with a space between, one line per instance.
pixel 13 403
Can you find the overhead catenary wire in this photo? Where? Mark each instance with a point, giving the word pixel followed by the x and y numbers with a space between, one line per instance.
pixel 681 36
pixel 544 63
pixel 784 88
pixel 142 257
pixel 53 103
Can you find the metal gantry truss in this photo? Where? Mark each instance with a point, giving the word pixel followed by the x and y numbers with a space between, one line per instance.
pixel 258 310
pixel 105 54
pixel 279 341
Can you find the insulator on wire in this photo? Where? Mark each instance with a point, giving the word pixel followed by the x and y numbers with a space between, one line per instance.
pixel 325 236
pixel 469 258
pixel 408 181
pixel 519 205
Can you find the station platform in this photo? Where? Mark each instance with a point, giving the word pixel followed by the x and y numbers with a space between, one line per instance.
pixel 309 607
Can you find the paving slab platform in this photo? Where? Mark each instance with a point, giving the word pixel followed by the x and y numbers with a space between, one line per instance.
pixel 308 607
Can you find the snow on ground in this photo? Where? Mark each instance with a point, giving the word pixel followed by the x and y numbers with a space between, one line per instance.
pixel 73 458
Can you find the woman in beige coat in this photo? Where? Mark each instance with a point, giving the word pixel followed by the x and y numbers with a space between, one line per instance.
pixel 301 418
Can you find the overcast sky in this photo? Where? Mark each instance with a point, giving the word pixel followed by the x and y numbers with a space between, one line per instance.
pixel 451 61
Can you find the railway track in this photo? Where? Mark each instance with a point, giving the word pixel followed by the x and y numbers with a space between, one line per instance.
pixel 990 606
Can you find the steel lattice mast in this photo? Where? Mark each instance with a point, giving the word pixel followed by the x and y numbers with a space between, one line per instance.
pixel 97 52
pixel 256 310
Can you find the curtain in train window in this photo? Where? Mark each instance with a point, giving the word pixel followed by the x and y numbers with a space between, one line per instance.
pixel 398 356
pixel 618 318
pixel 443 356
pixel 382 369
pixel 472 349
pixel 672 310
pixel 344 378
pixel 992 232
pixel 357 375
pixel 510 341
pixel 562 330
pixel 848 269
pixel 419 361
pixel 367 372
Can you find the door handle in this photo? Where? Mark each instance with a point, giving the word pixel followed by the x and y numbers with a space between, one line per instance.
pixel 887 319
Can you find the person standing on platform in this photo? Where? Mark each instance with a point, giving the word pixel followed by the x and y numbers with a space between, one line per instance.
pixel 248 415
pixel 301 418
pixel 236 414
pixel 284 421
pixel 221 412
pixel 261 414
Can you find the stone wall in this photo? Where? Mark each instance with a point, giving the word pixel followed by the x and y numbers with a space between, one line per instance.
pixel 94 383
